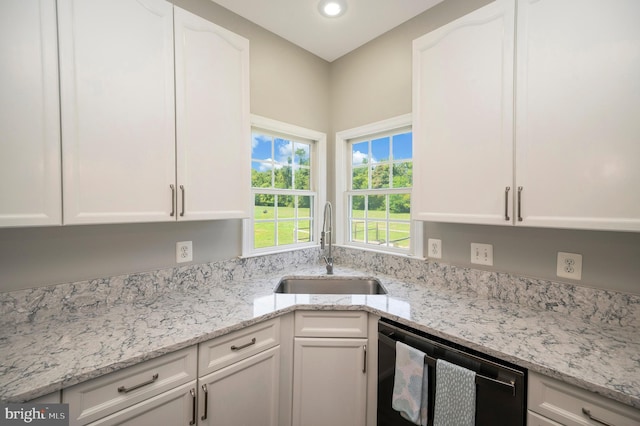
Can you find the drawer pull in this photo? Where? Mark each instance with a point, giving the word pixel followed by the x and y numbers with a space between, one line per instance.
pixel 206 397
pixel 123 389
pixel 246 345
pixel 193 412
pixel 595 419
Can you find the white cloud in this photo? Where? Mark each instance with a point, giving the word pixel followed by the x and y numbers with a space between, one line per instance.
pixel 360 158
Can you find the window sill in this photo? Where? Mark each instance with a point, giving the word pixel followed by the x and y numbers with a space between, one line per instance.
pixel 374 250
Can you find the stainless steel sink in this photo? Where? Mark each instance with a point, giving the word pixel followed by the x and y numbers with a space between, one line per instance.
pixel 330 285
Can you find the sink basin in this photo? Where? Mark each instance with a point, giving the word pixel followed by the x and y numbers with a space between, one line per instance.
pixel 330 285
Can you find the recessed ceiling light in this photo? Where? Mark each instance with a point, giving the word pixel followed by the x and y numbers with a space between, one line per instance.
pixel 332 8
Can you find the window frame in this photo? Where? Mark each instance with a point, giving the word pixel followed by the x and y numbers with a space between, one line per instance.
pixel 343 167
pixel 317 185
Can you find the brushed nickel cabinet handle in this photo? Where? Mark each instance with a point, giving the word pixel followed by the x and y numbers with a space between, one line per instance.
pixel 206 397
pixel 364 366
pixel 173 200
pixel 182 189
pixel 193 412
pixel 506 203
pixel 246 345
pixel 123 389
pixel 595 419
pixel 520 203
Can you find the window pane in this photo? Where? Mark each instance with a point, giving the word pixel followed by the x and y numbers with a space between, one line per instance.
pixel 377 207
pixel 285 207
pixel 303 231
pixel 402 147
pixel 402 175
pixel 304 206
pixel 399 234
pixel 360 153
pixel 380 176
pixel 261 147
pixel 285 232
pixel 357 206
pixel 380 150
pixel 264 207
pixel 301 156
pixel 358 232
pixel 261 174
pixel 377 232
pixel 399 206
pixel 264 234
pixel 283 178
pixel 302 178
pixel 360 178
pixel 283 150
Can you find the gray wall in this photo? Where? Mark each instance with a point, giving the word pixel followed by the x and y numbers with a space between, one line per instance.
pixel 374 83
pixel 287 83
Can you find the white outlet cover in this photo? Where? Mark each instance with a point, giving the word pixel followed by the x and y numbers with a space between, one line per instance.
pixel 184 251
pixel 569 265
pixel 434 248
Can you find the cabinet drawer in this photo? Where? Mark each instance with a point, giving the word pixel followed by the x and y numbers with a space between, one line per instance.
pixel 330 324
pixel 92 400
pixel 535 419
pixel 225 350
pixel 565 403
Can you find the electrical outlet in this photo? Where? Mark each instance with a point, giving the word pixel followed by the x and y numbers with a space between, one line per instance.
pixel 184 251
pixel 482 254
pixel 569 265
pixel 435 248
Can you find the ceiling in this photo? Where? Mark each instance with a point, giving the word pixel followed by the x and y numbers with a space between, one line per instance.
pixel 299 21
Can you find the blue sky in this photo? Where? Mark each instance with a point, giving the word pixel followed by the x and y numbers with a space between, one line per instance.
pixel 381 148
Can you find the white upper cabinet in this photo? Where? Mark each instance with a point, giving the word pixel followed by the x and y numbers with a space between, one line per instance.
pixel 463 126
pixel 30 193
pixel 573 160
pixel 578 113
pixel 212 120
pixel 118 109
pixel 143 141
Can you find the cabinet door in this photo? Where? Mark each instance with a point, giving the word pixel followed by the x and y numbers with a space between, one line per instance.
pixel 117 91
pixel 175 407
pixel 329 382
pixel 243 394
pixel 212 119
pixel 463 118
pixel 29 114
pixel 577 127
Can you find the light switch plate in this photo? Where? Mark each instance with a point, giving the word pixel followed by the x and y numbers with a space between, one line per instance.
pixel 482 254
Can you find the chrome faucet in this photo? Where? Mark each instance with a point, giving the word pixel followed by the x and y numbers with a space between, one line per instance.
pixel 325 235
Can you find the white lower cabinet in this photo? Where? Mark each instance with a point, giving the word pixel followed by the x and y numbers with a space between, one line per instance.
pixel 552 402
pixel 330 373
pixel 242 394
pixel 139 394
pixel 239 377
pixel 175 407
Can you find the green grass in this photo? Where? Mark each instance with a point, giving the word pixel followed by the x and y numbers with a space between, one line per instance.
pixel 264 232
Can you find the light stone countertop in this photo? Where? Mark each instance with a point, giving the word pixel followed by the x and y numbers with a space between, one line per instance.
pixel 40 357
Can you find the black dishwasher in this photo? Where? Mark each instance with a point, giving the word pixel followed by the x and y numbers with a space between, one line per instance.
pixel 500 386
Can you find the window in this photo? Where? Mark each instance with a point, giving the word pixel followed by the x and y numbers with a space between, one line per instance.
pixel 376 204
pixel 286 176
